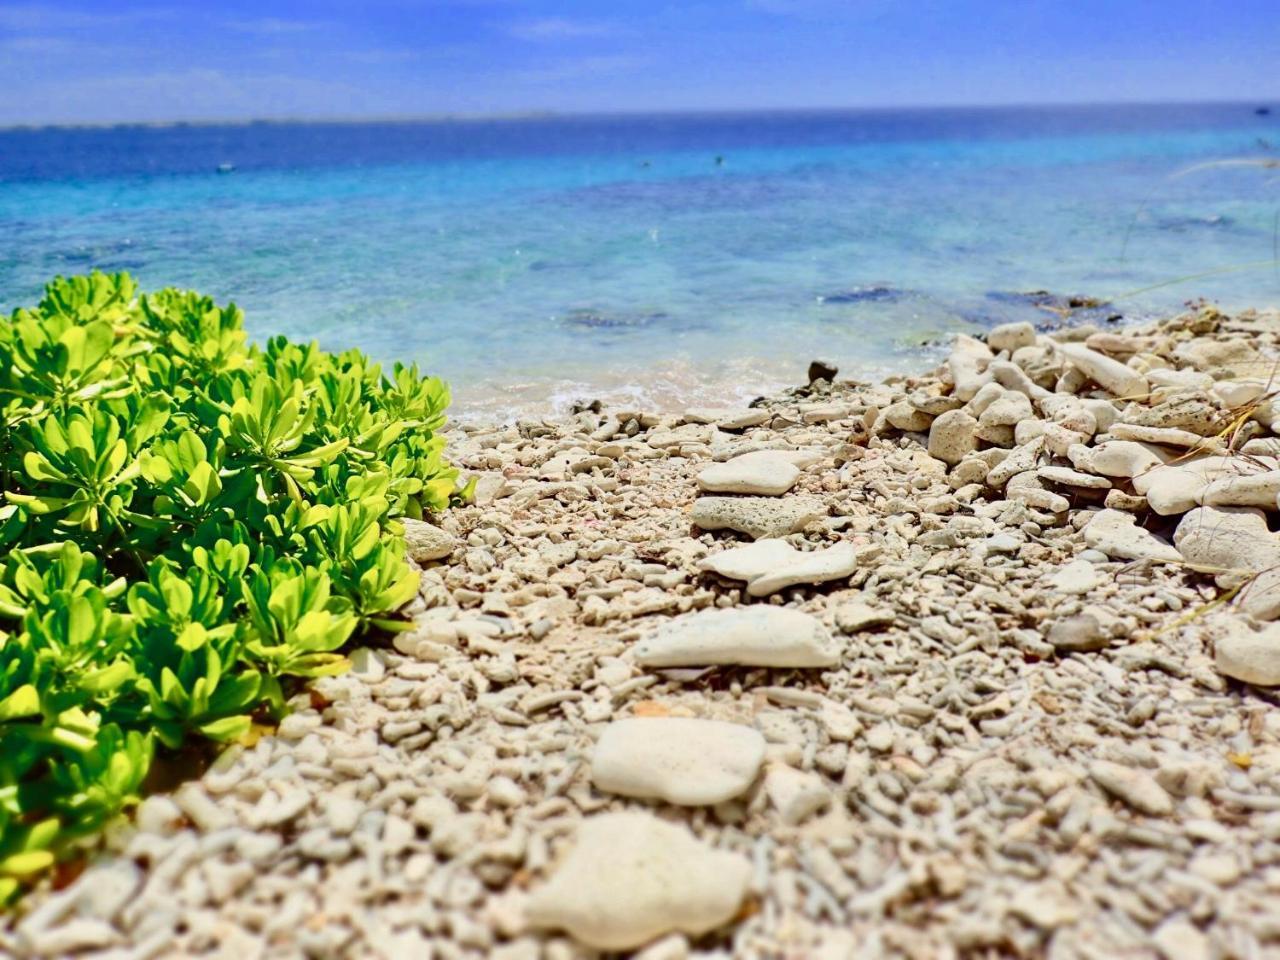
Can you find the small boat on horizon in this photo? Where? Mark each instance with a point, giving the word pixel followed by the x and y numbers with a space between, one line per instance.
pixel 226 168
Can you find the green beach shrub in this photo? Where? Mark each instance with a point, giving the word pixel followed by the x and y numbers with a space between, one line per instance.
pixel 187 520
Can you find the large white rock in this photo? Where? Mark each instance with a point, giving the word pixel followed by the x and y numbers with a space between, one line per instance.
pixel 1117 535
pixel 1111 375
pixel 1011 336
pixel 952 436
pixel 425 542
pixel 765 472
pixel 682 760
pixel 771 565
pixel 1247 490
pixel 1008 410
pixel 1181 412
pixel 757 517
pixel 1013 377
pixel 1166 436
pixel 1122 458
pixel 1238 394
pixel 1250 655
pixel 756 636
pixel 631 878
pixel 1260 599
pixel 1228 541
pixel 968 364
pixel 1179 486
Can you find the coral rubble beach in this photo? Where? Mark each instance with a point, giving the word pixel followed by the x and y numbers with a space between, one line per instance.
pixel 974 663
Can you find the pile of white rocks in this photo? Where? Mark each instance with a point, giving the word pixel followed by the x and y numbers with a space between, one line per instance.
pixel 1174 427
pixel 974 663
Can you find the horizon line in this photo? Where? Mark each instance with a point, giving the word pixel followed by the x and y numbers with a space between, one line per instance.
pixel 514 116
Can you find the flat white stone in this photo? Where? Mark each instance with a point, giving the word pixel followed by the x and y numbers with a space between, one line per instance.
pixel 728 419
pixel 632 877
pixel 1165 436
pixel 756 636
pixel 757 517
pixel 1066 477
pixel 1077 577
pixel 1250 655
pixel 856 616
pixel 771 565
pixel 682 760
pixel 795 794
pixel 1117 535
pixel 765 472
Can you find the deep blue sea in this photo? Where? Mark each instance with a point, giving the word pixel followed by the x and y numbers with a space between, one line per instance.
pixel 678 259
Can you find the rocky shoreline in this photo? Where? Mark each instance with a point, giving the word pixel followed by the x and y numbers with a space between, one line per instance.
pixel 969 664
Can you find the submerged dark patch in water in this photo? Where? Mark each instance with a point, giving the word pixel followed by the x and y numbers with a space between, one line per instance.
pixel 589 319
pixel 1044 309
pixel 1183 224
pixel 873 293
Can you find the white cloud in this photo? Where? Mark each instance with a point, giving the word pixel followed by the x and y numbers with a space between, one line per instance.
pixel 197 94
pixel 558 28
pixel 44 17
pixel 578 68
pixel 274 26
pixel 39 46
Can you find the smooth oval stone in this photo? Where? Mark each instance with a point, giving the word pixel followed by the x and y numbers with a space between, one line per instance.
pixel 631 878
pixel 682 760
pixel 762 472
pixel 759 636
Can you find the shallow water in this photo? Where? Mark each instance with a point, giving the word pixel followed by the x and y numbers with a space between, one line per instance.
pixel 537 259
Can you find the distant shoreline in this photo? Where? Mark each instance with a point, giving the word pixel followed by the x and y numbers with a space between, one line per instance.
pixel 548 114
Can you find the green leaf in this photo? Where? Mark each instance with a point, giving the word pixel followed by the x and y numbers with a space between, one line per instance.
pixel 23 702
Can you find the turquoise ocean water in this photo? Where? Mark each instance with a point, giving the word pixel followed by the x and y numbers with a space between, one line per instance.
pixel 672 259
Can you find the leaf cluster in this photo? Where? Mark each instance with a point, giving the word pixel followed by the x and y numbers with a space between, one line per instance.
pixel 187 519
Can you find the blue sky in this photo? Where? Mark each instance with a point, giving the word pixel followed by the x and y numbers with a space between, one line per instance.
pixel 79 61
